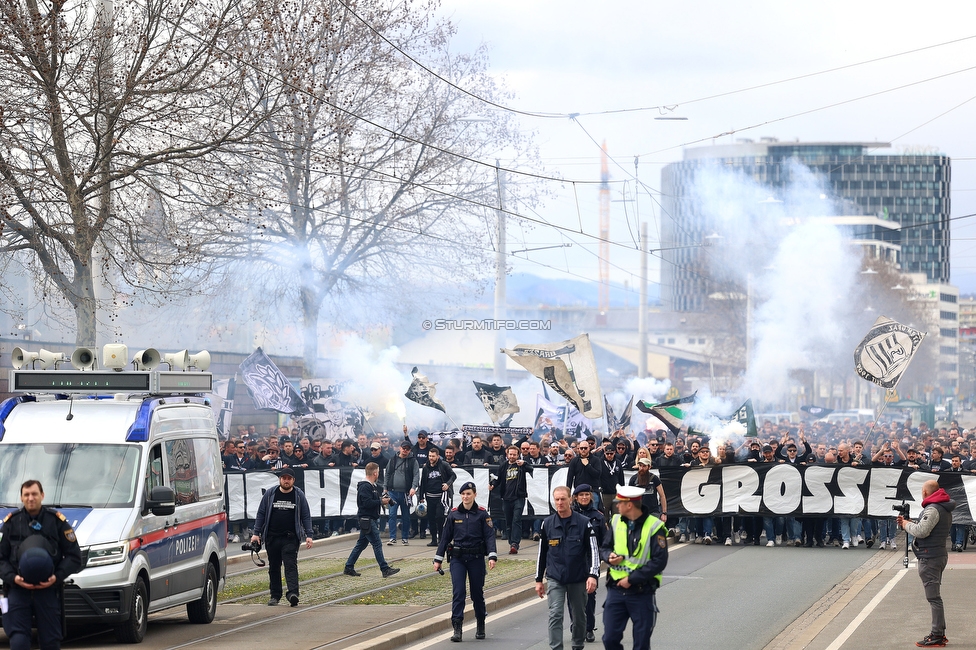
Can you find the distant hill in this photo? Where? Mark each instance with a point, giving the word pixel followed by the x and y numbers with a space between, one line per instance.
pixel 527 290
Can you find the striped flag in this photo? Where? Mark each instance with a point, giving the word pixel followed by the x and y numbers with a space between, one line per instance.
pixel 883 355
pixel 669 412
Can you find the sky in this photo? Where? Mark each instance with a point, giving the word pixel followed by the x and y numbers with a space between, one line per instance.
pixel 570 57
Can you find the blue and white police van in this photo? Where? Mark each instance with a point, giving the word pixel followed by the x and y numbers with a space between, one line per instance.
pixel 132 460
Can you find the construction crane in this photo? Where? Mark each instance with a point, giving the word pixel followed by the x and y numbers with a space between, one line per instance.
pixel 604 295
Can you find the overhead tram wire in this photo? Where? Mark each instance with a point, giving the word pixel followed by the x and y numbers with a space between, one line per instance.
pixel 811 111
pixel 662 107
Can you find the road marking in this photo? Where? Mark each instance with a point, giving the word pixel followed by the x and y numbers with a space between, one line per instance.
pixel 870 607
pixel 471 628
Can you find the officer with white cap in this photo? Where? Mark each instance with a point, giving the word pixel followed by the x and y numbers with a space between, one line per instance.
pixel 636 550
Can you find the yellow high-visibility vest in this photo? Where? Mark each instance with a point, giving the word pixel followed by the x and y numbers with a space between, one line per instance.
pixel 642 554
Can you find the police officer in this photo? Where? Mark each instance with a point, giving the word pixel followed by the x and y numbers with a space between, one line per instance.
pixel 470 536
pixel 32 577
pixel 636 549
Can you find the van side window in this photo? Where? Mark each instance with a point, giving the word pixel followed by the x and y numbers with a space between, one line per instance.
pixel 154 469
pixel 210 479
pixel 180 458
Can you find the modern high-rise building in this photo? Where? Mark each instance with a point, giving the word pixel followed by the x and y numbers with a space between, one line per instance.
pixel 909 189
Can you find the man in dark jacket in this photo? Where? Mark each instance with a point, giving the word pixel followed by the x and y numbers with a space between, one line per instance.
pixel 27 531
pixel 402 482
pixel 584 468
pixel 436 490
pixel 611 475
pixel 510 482
pixel 570 558
pixel 368 501
pixel 930 533
pixel 583 504
pixel 283 519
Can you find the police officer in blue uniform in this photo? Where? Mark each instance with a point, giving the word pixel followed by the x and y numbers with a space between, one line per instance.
pixel 467 538
pixel 636 550
pixel 38 551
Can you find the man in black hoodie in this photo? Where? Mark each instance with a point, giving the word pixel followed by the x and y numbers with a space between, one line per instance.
pixel 369 500
pixel 510 483
pixel 930 533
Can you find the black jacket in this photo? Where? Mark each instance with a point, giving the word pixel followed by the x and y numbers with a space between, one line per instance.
pixel 579 473
pixel 568 551
pixel 60 538
pixel 521 491
pixel 368 500
pixel 446 472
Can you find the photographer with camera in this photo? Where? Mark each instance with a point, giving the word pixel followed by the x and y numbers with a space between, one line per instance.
pixel 931 532
pixel 283 519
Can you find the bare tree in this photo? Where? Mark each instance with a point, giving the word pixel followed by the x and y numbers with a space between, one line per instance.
pixel 112 119
pixel 367 184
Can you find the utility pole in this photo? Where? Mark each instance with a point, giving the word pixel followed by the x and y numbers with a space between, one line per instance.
pixel 642 309
pixel 500 357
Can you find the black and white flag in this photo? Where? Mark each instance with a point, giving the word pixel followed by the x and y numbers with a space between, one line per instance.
pixel 884 354
pixel 422 391
pixel 567 367
pixel 269 388
pixel 222 401
pixel 499 401
pixel 817 412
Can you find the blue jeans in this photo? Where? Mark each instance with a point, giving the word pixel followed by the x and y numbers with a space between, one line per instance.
pixel 366 537
pixel 773 527
pixel 958 532
pixel 559 593
pixel 513 520
pixel 887 528
pixel 398 501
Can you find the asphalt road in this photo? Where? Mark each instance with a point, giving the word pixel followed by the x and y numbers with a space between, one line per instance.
pixel 713 597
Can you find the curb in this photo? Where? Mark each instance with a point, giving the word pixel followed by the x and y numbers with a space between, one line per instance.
pixel 419 631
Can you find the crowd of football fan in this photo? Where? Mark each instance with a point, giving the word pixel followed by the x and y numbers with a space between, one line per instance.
pixel 601 462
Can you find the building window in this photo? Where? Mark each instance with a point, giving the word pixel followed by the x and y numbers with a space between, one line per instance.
pixel 701 341
pixel 948 333
pixel 670 341
pixel 945 297
pixel 691 341
pixel 947 367
pixel 947 315
pixel 947 350
pixel 661 341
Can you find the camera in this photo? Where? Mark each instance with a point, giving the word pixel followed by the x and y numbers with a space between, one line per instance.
pixel 254 547
pixel 902 510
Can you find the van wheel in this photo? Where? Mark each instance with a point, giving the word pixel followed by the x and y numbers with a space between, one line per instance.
pixel 134 630
pixel 204 609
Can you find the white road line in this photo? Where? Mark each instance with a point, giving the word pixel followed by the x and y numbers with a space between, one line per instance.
pixel 849 630
pixel 469 629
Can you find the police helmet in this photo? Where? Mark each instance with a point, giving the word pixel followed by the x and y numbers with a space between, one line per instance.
pixel 36 564
pixel 422 509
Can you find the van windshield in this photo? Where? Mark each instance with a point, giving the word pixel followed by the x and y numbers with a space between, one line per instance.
pixel 72 475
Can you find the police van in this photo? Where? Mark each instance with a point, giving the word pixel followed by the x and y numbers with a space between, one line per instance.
pixel 132 459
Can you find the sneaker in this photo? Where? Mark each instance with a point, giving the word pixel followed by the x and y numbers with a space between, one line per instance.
pixel 432 544
pixel 351 572
pixel 590 637
pixel 335 533
pixel 513 550
pixel 293 599
pixel 933 641
pixel 893 547
pixel 272 602
pixel 392 542
pixel 536 537
pixel 869 543
pixel 423 535
pixel 846 545
pixel 882 546
pixel 728 541
pixel 413 534
pixel 797 543
pixel 736 537
pixel 406 543
pixel 235 539
pixel 768 544
pixel 682 538
pixel 707 541
pixel 859 540
pixel 390 571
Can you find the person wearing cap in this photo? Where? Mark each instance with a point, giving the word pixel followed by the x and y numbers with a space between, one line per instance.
pixel 376 456
pixel 636 548
pixel 402 482
pixel 569 558
pixel 583 504
pixel 368 502
pixel 283 520
pixel 33 584
pixel 468 538
pixel 611 477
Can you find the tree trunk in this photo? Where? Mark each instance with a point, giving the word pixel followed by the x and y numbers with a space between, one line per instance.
pixel 86 307
pixel 311 307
